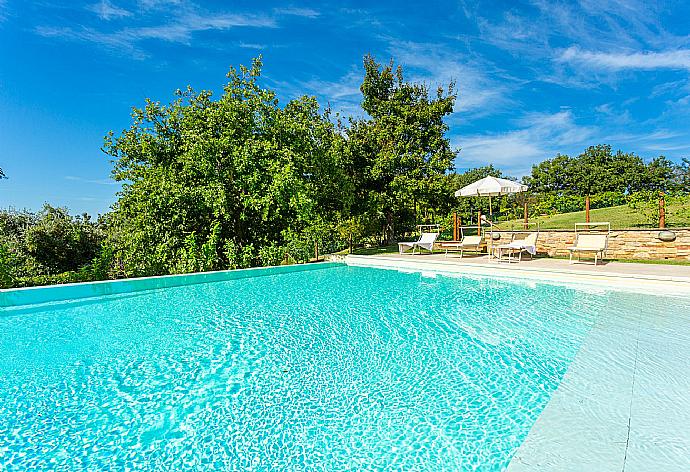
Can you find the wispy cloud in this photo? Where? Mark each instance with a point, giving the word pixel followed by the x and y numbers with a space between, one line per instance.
pixel 436 64
pixel 612 61
pixel 117 42
pixel 606 35
pixel 75 178
pixel 654 142
pixel 342 95
pixel 252 45
pixel 178 28
pixel 297 11
pixel 107 11
pixel 538 136
pixel 3 10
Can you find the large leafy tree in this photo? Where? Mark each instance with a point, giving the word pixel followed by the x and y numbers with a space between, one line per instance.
pixel 399 154
pixel 208 183
pixel 59 242
pixel 46 243
pixel 599 170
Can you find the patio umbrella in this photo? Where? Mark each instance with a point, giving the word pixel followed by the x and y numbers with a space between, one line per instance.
pixel 491 187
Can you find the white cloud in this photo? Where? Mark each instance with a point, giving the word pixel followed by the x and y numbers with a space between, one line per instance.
pixel 252 46
pixel 182 29
pixel 343 95
pixel 539 136
pixel 179 29
pixel 75 178
pixel 296 11
pixel 107 11
pixel 677 59
pixel 436 64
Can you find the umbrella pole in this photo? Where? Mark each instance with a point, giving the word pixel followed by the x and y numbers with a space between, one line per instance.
pixel 491 213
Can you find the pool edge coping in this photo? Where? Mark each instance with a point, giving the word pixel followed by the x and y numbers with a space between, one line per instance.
pixel 680 284
pixel 78 290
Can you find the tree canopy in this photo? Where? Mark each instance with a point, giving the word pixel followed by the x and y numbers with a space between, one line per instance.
pixel 399 154
pixel 210 183
pixel 599 170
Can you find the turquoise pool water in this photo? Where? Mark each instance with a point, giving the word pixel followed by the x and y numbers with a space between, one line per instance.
pixel 329 369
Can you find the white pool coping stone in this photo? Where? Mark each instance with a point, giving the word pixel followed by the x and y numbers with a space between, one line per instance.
pixel 19 297
pixel 637 277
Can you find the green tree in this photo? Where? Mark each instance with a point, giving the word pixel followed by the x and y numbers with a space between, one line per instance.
pixel 208 183
pixel 661 175
pixel 599 170
pixel 399 154
pixel 683 175
pixel 59 242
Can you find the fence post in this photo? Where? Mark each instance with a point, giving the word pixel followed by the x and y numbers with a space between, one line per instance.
pixel 587 209
pixel 526 215
pixel 662 211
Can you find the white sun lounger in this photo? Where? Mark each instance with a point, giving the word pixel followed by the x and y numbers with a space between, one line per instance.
pixel 426 241
pixel 527 244
pixel 470 243
pixel 589 243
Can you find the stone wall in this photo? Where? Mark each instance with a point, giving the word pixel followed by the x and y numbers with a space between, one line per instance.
pixel 623 244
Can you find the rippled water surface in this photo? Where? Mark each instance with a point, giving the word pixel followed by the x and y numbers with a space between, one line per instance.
pixel 330 369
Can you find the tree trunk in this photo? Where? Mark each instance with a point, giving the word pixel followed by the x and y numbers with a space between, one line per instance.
pixel 587 209
pixel 662 211
pixel 389 233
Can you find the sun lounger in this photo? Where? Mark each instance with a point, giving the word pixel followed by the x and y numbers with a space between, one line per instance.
pixel 426 241
pixel 589 243
pixel 468 243
pixel 527 244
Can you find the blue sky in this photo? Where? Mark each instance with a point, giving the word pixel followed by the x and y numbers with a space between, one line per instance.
pixel 534 78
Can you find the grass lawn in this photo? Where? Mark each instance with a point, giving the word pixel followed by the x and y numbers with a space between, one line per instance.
pixel 620 217
pixel 369 251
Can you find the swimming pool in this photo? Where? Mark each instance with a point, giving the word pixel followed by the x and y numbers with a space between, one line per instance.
pixel 326 369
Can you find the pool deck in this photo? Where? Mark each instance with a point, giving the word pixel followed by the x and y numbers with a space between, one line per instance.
pixel 623 402
pixel 647 277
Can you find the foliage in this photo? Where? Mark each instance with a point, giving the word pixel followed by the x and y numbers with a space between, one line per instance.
pixel 52 246
pixel 8 264
pixel 597 170
pixel 553 203
pixel 208 183
pixel 399 154
pixel 59 242
pixel 646 204
pixel 682 176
